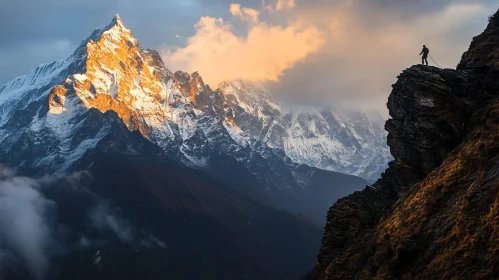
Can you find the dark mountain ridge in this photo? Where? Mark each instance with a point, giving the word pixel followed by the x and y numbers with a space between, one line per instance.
pixel 157 221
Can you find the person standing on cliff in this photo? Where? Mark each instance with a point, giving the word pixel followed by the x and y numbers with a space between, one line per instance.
pixel 425 53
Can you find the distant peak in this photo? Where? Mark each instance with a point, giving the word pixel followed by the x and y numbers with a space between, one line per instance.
pixel 116 26
pixel 239 84
pixel 116 20
pixel 115 30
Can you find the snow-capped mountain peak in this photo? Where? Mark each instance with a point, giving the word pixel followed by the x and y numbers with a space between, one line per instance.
pixel 177 111
pixel 117 20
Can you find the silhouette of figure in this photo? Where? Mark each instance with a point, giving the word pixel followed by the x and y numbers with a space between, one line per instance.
pixel 425 53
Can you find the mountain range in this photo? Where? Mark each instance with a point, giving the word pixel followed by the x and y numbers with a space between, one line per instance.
pixel 178 112
pixel 134 164
pixel 336 139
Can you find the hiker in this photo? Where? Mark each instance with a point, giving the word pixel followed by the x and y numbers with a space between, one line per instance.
pixel 425 53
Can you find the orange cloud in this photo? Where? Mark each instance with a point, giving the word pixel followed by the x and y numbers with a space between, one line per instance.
pixel 245 14
pixel 252 13
pixel 266 7
pixel 283 4
pixel 352 54
pixel 263 55
pixel 235 10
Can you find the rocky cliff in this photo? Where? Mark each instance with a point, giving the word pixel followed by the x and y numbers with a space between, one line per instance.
pixel 434 213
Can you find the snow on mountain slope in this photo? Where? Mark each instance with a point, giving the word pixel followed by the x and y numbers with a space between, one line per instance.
pixel 346 141
pixel 50 105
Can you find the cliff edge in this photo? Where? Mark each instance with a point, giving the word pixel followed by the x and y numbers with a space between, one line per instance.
pixel 434 214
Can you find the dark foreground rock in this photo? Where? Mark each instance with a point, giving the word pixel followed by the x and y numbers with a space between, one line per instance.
pixel 433 214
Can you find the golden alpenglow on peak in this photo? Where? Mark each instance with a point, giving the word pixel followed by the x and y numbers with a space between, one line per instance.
pixel 116 31
pixel 122 77
pixel 117 19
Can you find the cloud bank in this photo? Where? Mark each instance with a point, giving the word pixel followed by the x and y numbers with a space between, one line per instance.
pixel 343 52
pixel 262 55
pixel 25 220
pixel 364 54
pixel 325 51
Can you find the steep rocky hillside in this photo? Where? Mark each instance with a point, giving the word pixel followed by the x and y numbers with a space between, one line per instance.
pixel 434 214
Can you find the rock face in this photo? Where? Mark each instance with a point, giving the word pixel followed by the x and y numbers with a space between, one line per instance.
pixel 433 214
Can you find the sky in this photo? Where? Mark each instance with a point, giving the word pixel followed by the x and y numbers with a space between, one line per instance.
pixel 340 52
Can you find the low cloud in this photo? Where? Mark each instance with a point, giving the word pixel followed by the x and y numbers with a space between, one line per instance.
pixel 105 219
pixel 5 172
pixel 26 223
pixel 32 235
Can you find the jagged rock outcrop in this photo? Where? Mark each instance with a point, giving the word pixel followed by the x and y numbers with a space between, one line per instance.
pixel 433 214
